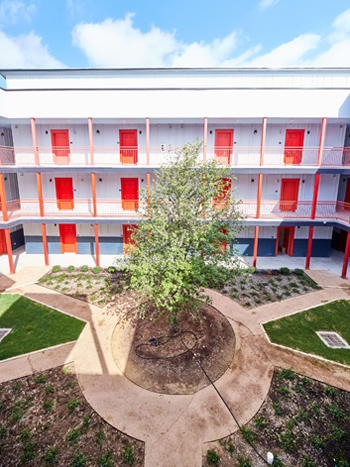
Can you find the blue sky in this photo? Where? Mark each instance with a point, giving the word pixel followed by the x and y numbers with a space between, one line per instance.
pixel 115 33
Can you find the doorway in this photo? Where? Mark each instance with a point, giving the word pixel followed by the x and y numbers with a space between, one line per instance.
pixel 127 233
pixel 130 194
pixel 64 193
pixel 293 146
pixel 285 241
pixel 128 146
pixel 60 146
pixel 223 145
pixel 68 238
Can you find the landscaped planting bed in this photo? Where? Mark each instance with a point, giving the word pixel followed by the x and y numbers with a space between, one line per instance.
pixel 304 422
pixel 261 287
pixel 45 420
pixel 92 285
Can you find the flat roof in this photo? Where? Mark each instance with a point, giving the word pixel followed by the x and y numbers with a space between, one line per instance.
pixel 115 71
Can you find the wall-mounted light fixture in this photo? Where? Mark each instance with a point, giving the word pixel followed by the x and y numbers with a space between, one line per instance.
pixel 140 132
pixel 55 225
pixel 340 126
pixel 308 132
pixel 170 126
pixel 5 179
pixel 50 180
pixel 211 132
pixel 303 181
pixel 141 180
pixel 252 180
pixel 46 132
pixel 100 180
pixel 16 126
pixel 97 132
pixel 255 132
pixel 2 134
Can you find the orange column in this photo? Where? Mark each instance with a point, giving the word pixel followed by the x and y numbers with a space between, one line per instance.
pixel 3 199
pixel 93 185
pixel 147 140
pixel 315 194
pixel 258 204
pixel 205 137
pixel 255 253
pixel 91 141
pixel 35 141
pixel 97 247
pixel 46 251
pixel 40 194
pixel 263 138
pixel 9 250
pixel 148 187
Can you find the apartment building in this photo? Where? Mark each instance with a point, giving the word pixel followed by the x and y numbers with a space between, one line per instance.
pixel 76 146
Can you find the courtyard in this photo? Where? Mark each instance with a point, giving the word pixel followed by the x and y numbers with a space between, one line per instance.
pixel 176 428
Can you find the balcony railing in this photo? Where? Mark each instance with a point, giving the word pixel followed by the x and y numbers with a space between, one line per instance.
pixel 327 210
pixel 237 156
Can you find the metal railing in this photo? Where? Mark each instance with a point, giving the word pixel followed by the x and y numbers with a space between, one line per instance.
pixel 115 156
pixel 328 210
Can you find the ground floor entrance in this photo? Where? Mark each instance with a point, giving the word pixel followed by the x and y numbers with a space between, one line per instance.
pixel 285 241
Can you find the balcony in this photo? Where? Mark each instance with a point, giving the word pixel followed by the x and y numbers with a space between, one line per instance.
pixel 116 208
pixel 238 156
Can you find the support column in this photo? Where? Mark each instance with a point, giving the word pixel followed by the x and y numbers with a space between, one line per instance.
pixel 40 194
pixel 46 250
pixel 147 141
pixel 346 257
pixel 97 247
pixel 91 141
pixel 255 253
pixel 3 199
pixel 315 194
pixel 9 250
pixel 35 141
pixel 93 185
pixel 263 139
pixel 205 137
pixel 148 187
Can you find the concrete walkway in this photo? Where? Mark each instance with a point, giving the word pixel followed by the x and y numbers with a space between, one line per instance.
pixel 175 427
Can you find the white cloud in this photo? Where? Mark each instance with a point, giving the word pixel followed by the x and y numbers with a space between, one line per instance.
pixel 15 11
pixel 25 51
pixel 117 43
pixel 288 54
pixel 266 3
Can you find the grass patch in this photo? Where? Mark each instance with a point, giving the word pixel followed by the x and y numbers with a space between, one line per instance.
pixel 298 331
pixel 34 326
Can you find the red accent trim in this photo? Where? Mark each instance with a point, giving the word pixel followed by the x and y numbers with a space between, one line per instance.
pixel 256 237
pixel 289 201
pixel 309 248
pixel 60 149
pixel 223 151
pixel 64 193
pixel 293 146
pixel 291 240
pixel 3 206
pixel 322 137
pixel 3 248
pixel 9 250
pixel 40 194
pixel 346 257
pixel 314 198
pixel 147 140
pixel 93 185
pixel 263 138
pixel 46 251
pixel 91 141
pixel 68 238
pixel 128 146
pixel 260 180
pixel 35 141
pixel 205 137
pixel 97 247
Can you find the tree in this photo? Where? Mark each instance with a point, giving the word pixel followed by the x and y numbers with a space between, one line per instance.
pixel 187 222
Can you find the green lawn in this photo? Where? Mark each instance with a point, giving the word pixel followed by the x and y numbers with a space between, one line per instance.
pixel 34 326
pixel 298 331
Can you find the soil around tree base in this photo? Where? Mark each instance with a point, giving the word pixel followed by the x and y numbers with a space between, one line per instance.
pixel 170 368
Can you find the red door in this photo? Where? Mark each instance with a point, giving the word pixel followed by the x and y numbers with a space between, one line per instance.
pixel 347 196
pixel 293 146
pixel 3 248
pixel 130 194
pixel 288 240
pixel 289 194
pixel 223 145
pixel 68 238
pixel 128 146
pixel 64 193
pixel 220 200
pixel 60 146
pixel 127 241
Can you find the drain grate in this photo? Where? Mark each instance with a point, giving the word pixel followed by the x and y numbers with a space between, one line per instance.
pixel 4 332
pixel 333 340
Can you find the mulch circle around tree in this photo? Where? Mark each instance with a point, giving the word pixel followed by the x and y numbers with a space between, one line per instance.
pixel 176 371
